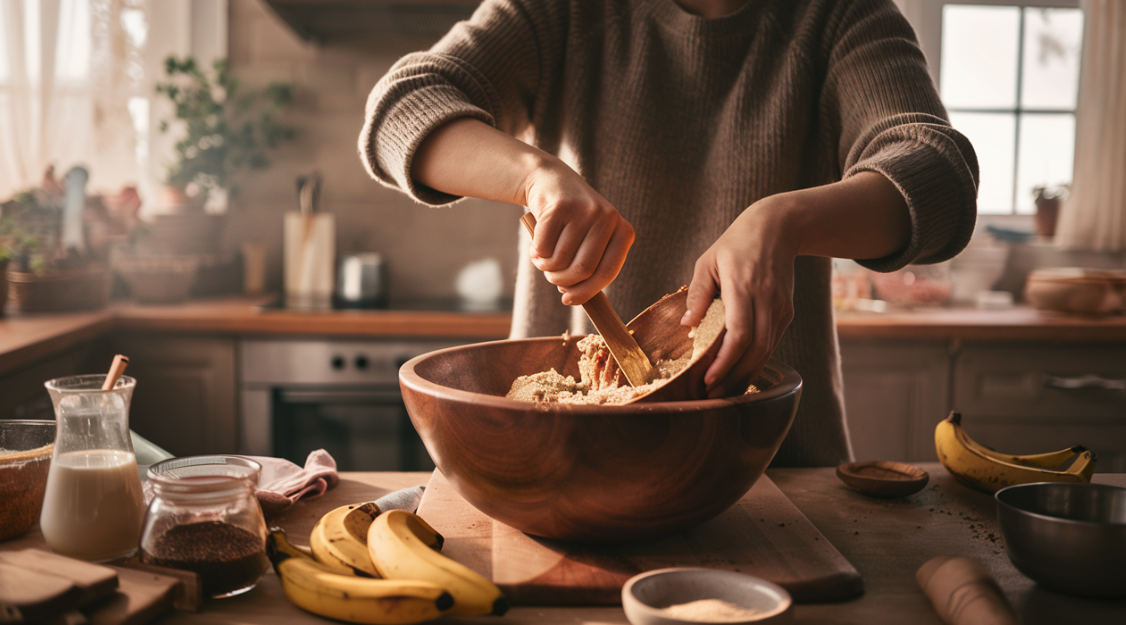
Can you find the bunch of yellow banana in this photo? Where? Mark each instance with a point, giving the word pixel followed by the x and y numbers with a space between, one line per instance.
pixel 318 589
pixel 977 466
pixel 401 546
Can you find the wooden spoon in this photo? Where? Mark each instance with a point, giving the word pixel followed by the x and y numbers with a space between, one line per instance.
pixel 623 347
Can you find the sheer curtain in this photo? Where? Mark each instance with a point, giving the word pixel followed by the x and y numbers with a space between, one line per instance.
pixel 68 69
pixel 1094 216
pixel 77 85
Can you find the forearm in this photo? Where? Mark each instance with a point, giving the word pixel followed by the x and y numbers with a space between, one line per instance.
pixel 862 217
pixel 471 158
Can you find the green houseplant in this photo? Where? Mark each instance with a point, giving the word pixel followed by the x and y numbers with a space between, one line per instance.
pixel 226 128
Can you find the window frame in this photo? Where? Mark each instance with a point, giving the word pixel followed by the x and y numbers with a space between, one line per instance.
pixel 926 17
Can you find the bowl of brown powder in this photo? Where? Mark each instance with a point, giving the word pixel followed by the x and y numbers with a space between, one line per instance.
pixel 25 457
pixel 694 595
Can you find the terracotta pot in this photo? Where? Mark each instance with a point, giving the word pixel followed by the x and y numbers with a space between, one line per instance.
pixel 1047 214
pixel 589 473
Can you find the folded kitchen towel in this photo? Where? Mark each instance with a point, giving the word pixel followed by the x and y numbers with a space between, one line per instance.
pixel 282 482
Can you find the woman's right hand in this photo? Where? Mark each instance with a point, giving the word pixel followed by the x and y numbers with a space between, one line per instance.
pixel 580 241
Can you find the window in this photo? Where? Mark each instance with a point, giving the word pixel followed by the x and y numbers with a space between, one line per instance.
pixel 1008 73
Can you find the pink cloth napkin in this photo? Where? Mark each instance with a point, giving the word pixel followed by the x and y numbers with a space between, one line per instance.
pixel 282 482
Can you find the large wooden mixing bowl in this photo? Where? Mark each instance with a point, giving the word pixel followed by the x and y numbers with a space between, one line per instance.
pixel 589 473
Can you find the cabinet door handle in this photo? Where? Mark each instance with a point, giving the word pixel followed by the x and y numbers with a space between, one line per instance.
pixel 1084 381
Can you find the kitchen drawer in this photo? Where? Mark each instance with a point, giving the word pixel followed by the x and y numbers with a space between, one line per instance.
pixel 1025 381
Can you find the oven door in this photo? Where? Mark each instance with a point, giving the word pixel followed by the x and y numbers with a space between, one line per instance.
pixel 364 428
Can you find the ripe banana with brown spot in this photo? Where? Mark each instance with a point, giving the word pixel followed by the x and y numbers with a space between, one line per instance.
pixel 315 588
pixel 984 469
pixel 339 540
pixel 400 546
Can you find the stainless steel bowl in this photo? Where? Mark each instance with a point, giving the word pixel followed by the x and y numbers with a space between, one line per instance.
pixel 1069 537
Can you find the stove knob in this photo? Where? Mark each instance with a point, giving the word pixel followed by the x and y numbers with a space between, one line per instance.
pixel 361 362
pixel 338 363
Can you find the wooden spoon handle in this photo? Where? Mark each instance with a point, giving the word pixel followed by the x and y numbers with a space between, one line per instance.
pixel 623 347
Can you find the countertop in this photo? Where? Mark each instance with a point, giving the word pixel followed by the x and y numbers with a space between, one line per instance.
pixel 886 540
pixel 25 339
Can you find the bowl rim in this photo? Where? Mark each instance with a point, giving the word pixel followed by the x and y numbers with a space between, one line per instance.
pixel 785 603
pixel 1055 519
pixel 791 382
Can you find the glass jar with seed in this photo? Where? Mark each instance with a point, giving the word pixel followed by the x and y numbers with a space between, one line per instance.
pixel 205 518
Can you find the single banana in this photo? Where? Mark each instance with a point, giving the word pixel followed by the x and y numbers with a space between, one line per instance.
pixel 315 588
pixel 977 466
pixel 340 539
pixel 399 544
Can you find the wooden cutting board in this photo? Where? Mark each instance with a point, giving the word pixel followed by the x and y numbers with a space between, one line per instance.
pixel 763 534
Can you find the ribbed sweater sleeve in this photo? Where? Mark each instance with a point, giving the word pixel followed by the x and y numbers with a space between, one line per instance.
pixel 488 68
pixel 880 96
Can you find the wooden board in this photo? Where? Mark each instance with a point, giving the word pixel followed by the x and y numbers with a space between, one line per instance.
pixel 141 597
pixel 763 534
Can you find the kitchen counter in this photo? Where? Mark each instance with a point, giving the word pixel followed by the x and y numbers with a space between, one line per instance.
pixel 1020 323
pixel 27 339
pixel 886 540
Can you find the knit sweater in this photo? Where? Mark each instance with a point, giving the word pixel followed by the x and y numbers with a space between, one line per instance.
pixel 682 122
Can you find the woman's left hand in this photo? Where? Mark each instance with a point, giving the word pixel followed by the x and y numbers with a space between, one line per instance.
pixel 752 265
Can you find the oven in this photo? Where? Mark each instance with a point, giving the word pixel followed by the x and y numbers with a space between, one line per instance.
pixel 341 396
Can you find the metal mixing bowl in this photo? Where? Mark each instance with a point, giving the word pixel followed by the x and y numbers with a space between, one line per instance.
pixel 1069 537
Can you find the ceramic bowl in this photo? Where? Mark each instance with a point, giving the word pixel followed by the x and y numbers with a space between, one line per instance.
pixel 1069 537
pixel 25 459
pixel 589 473
pixel 659 597
pixel 1076 290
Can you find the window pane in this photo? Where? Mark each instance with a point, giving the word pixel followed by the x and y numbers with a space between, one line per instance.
pixel 1052 45
pixel 979 56
pixel 72 52
pixel 1047 150
pixel 992 135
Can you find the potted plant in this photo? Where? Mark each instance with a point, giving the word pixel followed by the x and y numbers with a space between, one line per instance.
pixel 42 274
pixel 1048 208
pixel 224 129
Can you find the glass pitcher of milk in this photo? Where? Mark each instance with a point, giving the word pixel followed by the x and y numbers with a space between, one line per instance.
pixel 93 506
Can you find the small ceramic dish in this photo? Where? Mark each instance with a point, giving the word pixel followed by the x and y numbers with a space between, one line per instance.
pixel 883 478
pixel 681 596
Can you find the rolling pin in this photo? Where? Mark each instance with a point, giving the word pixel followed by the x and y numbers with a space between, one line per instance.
pixel 964 593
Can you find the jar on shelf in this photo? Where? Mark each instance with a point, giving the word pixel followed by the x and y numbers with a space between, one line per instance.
pixel 204 517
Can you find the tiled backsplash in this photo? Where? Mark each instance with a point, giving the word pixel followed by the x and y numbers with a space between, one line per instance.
pixel 424 247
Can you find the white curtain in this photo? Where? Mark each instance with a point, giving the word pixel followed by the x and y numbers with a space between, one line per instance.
pixel 77 86
pixel 1094 216
pixel 68 69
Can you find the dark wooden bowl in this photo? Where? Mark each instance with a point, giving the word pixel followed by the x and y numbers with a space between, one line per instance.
pixel 589 473
pixel 660 335
pixel 883 478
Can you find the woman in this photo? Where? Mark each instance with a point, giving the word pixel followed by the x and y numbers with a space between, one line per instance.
pixel 736 145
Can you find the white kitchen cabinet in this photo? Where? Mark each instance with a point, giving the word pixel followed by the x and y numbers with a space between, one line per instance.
pixel 1019 397
pixel 1030 398
pixel 895 392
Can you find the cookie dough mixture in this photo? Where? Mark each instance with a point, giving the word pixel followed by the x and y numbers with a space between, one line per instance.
pixel 601 381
